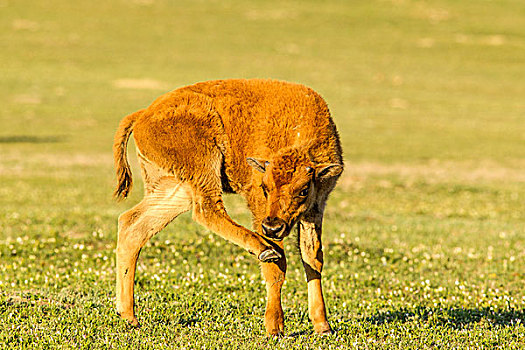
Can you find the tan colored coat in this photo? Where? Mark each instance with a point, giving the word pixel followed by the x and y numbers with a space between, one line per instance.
pixel 272 142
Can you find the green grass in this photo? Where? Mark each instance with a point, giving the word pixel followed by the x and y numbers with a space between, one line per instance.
pixel 424 236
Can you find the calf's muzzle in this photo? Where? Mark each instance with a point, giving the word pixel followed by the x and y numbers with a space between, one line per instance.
pixel 274 228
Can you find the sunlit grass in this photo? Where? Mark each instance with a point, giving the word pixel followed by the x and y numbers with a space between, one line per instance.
pixel 424 236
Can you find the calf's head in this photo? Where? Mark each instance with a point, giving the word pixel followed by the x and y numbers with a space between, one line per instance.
pixel 290 184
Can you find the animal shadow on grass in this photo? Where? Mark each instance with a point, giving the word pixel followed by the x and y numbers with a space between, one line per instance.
pixel 31 139
pixel 453 317
pixel 302 332
pixel 189 320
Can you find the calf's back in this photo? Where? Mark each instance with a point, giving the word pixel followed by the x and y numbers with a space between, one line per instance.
pixel 238 119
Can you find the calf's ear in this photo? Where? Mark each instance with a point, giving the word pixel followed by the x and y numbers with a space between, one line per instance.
pixel 258 164
pixel 325 171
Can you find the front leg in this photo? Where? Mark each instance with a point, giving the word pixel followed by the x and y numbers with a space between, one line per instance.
pixel 209 211
pixel 310 229
pixel 274 274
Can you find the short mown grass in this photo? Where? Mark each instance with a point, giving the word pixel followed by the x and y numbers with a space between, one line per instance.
pixel 424 237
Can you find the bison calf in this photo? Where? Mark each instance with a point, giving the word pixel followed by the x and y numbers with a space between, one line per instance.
pixel 272 142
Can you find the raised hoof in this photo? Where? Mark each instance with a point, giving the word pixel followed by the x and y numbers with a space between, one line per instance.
pixel 269 255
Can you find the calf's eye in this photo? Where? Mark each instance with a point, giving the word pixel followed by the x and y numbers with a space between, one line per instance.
pixel 304 192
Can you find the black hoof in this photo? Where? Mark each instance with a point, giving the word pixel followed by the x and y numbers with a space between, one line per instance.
pixel 270 255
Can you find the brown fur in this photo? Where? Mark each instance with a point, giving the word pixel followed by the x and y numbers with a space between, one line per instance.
pixel 120 144
pixel 193 145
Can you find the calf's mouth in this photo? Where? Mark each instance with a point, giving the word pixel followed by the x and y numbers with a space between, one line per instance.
pixel 275 228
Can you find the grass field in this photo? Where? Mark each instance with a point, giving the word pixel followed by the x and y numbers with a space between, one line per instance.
pixel 424 237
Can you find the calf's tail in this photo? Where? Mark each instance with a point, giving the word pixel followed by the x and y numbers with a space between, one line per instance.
pixel 124 177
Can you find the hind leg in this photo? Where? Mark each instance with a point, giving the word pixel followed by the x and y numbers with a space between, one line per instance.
pixel 164 202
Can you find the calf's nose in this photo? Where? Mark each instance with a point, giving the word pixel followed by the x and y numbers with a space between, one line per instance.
pixel 273 227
